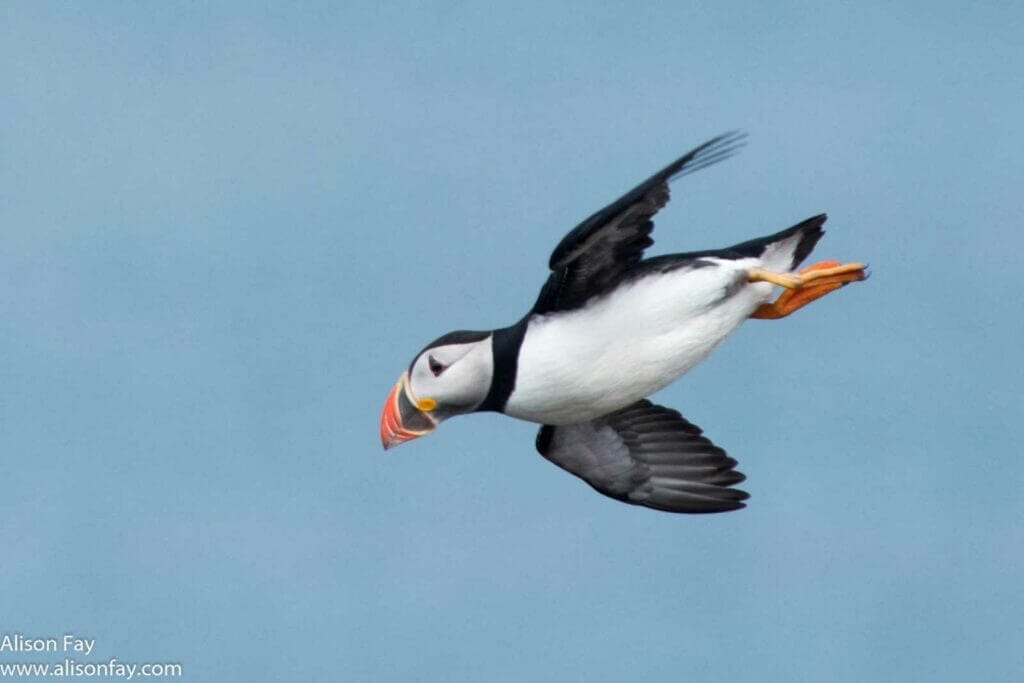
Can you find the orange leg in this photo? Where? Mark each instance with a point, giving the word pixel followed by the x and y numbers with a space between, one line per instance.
pixel 810 284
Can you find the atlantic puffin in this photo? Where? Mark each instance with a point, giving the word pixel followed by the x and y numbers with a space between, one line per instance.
pixel 610 328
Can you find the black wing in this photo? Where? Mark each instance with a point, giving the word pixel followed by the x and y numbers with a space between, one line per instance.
pixel 645 454
pixel 592 257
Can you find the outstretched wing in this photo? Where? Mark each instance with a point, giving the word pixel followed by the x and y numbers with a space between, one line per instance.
pixel 595 253
pixel 645 454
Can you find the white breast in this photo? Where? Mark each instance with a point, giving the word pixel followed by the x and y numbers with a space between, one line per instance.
pixel 626 345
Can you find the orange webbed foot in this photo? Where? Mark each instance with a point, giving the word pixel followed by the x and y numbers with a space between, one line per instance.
pixel 810 284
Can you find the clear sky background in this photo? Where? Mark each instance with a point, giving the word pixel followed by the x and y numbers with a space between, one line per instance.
pixel 226 230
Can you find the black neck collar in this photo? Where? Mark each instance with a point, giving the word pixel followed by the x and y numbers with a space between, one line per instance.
pixel 505 345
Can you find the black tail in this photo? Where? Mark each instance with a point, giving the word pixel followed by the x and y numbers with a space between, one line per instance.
pixel 787 249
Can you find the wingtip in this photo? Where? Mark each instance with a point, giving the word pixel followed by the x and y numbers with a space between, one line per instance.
pixel 718 148
pixel 734 135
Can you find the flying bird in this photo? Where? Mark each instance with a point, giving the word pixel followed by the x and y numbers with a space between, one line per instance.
pixel 610 328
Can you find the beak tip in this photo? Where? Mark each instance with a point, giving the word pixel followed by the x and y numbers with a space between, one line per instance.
pixel 388 436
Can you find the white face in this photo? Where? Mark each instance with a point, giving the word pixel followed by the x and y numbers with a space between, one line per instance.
pixel 456 376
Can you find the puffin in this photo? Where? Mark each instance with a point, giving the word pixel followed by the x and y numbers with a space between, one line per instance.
pixel 608 329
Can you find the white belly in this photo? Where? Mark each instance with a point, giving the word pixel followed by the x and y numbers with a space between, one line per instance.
pixel 622 347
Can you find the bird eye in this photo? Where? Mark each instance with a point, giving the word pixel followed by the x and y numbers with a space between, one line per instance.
pixel 436 366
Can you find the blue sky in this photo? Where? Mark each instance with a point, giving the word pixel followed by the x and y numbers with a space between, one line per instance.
pixel 226 229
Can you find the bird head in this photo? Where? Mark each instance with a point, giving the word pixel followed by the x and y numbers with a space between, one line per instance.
pixel 451 376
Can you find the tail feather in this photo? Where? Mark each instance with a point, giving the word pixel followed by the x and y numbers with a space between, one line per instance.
pixel 787 249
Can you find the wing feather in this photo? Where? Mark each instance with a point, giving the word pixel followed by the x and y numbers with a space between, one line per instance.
pixel 593 256
pixel 649 455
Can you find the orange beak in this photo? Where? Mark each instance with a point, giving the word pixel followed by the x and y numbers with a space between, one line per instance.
pixel 402 420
